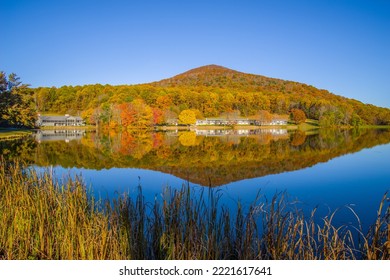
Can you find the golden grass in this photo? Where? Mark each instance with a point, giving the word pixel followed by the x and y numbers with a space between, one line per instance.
pixel 42 219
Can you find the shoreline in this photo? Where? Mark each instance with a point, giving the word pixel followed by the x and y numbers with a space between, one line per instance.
pixel 12 133
pixel 15 133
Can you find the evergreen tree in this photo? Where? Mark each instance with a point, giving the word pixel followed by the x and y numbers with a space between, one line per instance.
pixel 17 107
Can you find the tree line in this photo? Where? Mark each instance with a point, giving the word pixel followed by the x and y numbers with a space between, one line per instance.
pixel 219 93
pixel 147 105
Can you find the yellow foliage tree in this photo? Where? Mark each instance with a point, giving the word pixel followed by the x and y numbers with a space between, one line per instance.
pixel 143 116
pixel 188 138
pixel 187 117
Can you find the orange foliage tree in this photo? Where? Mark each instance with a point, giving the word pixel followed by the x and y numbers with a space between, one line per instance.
pixel 127 114
pixel 298 116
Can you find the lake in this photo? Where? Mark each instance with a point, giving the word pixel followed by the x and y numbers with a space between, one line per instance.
pixel 328 169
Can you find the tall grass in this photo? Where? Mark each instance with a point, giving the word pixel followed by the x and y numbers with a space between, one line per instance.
pixel 43 219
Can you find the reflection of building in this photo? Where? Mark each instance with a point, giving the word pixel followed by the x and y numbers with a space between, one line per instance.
pixel 213 132
pixel 277 122
pixel 240 132
pixel 66 120
pixel 59 135
pixel 212 121
pixel 172 121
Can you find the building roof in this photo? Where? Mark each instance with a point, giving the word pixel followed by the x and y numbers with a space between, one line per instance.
pixel 60 118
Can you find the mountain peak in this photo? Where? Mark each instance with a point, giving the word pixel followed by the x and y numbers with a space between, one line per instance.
pixel 203 75
pixel 209 69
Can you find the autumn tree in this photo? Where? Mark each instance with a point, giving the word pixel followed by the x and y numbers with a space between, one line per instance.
pixel 264 117
pixel 187 117
pixel 230 115
pixel 298 116
pixel 136 114
pixel 143 114
pixel 88 116
pixel 169 116
pixel 158 116
pixel 279 104
pixel 127 114
pixel 163 102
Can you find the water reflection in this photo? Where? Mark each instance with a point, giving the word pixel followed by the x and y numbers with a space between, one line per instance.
pixel 59 135
pixel 239 132
pixel 208 158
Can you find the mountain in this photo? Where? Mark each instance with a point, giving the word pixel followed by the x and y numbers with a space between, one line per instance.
pixel 204 75
pixel 210 91
pixel 222 77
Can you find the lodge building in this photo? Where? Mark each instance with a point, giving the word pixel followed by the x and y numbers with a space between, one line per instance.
pixel 66 120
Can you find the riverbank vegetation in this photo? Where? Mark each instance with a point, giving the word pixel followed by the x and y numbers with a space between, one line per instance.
pixel 45 219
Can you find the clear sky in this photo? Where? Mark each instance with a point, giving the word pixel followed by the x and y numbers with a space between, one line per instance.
pixel 339 45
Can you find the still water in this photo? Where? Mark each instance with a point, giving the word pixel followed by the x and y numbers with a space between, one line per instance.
pixel 327 169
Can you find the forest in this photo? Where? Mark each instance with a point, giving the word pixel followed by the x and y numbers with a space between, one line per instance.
pixel 208 91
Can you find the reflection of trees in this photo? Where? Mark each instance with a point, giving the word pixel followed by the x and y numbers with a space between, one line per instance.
pixel 21 148
pixel 187 138
pixel 136 145
pixel 298 138
pixel 205 160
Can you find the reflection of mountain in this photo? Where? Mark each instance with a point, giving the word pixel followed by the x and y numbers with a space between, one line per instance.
pixel 209 161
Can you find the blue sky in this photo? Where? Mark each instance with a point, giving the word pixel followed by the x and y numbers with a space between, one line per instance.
pixel 339 45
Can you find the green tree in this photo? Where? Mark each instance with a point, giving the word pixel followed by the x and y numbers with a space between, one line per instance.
pixel 3 82
pixel 187 117
pixel 17 107
pixel 328 119
pixel 356 120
